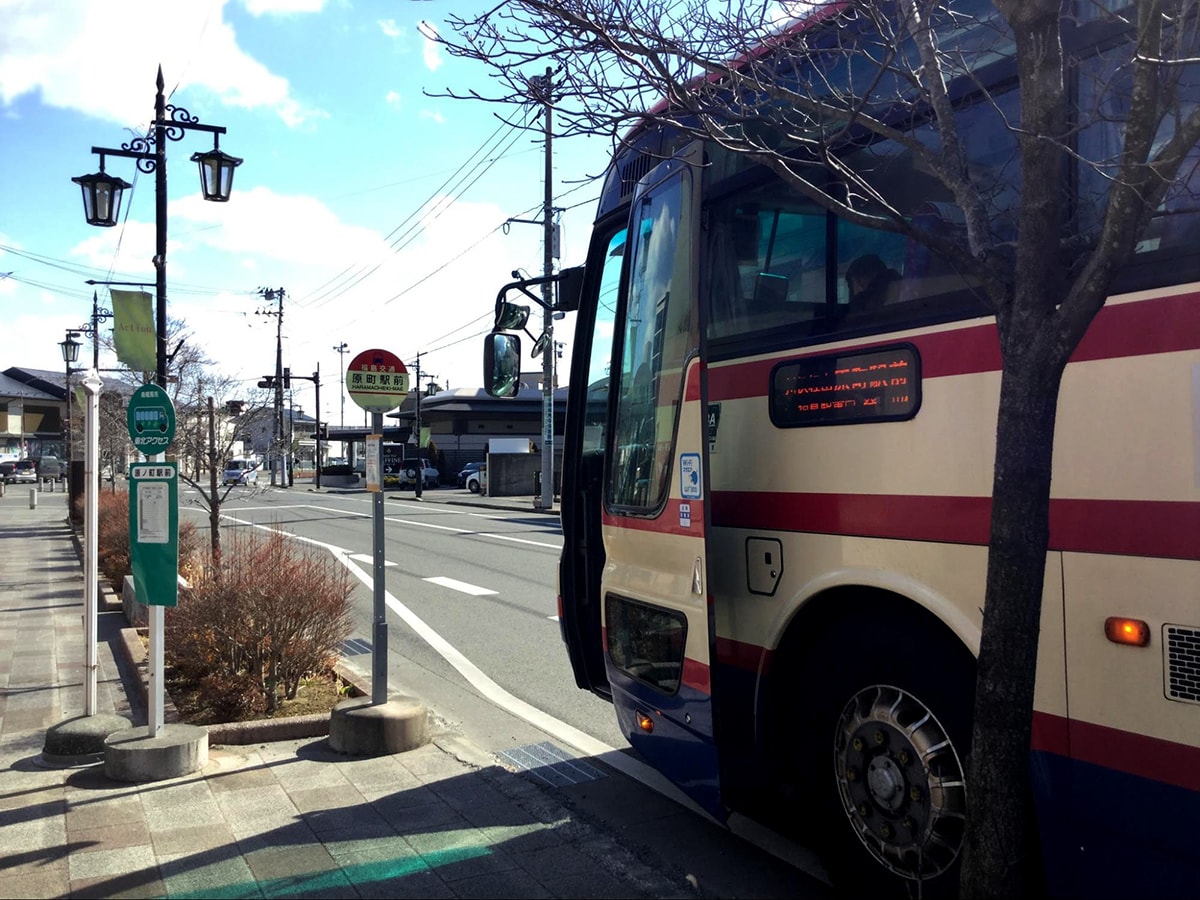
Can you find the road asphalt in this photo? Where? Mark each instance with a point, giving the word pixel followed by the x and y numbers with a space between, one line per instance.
pixel 292 818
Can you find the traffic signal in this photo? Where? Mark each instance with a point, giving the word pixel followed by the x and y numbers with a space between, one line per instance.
pixel 267 381
pixel 287 378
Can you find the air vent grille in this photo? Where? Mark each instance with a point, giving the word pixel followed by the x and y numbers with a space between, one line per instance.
pixel 1181 645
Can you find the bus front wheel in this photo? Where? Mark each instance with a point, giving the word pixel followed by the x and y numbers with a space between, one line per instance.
pixel 885 716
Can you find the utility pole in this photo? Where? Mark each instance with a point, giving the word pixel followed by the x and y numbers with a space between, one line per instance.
pixel 317 454
pixel 341 349
pixel 544 90
pixel 276 295
pixel 420 481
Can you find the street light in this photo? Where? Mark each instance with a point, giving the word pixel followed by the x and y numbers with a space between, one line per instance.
pixel 70 354
pixel 102 193
pixel 101 202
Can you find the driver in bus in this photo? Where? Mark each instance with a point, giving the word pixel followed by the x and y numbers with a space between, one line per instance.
pixel 872 284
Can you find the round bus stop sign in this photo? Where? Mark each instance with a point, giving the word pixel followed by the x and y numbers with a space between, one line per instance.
pixel 150 418
pixel 377 380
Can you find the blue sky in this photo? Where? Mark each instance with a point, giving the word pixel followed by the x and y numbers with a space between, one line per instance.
pixel 362 197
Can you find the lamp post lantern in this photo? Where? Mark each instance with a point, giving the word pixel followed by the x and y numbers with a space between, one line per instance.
pixel 102 193
pixel 70 354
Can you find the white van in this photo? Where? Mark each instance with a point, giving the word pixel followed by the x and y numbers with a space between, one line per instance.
pixel 241 471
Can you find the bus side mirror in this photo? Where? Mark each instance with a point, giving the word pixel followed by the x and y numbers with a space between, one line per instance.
pixel 510 317
pixel 502 365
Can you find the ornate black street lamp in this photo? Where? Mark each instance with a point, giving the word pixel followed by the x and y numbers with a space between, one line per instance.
pixel 70 355
pixel 102 193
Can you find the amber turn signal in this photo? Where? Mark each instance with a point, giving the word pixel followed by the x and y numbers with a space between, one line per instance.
pixel 1133 632
pixel 644 721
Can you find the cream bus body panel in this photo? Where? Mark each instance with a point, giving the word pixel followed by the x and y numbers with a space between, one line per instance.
pixel 659 564
pixel 943 451
pixel 1126 431
pixel 946 579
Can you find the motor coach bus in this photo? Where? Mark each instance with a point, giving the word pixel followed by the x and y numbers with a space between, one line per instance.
pixel 776 501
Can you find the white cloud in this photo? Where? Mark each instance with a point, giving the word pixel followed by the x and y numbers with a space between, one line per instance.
pixel 433 115
pixel 43 46
pixel 260 222
pixel 390 28
pixel 282 7
pixel 431 50
pixel 393 99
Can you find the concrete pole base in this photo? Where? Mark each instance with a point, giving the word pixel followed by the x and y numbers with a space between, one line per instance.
pixel 132 755
pixel 359 728
pixel 80 740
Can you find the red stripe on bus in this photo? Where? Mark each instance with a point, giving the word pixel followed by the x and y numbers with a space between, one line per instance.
pixel 741 655
pixel 1143 328
pixel 666 522
pixel 1051 734
pixel 692 387
pixel 1157 528
pixel 1138 754
pixel 696 676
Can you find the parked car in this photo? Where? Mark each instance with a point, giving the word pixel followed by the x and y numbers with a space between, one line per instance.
pixel 6 469
pixel 467 470
pixel 51 468
pixel 240 471
pixel 477 480
pixel 24 472
pixel 428 474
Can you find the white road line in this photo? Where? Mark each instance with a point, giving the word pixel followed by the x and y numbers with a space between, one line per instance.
pixel 473 590
pixel 559 730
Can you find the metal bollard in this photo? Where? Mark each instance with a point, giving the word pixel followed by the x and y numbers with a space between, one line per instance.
pixel 33 498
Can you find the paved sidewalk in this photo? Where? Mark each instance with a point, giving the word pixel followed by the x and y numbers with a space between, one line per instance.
pixel 283 819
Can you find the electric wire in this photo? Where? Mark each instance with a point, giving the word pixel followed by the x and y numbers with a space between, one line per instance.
pixel 329 291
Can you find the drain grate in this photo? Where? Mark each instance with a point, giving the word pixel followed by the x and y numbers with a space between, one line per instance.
pixel 354 647
pixel 550 763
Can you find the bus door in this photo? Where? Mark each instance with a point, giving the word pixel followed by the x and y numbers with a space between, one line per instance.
pixel 658 629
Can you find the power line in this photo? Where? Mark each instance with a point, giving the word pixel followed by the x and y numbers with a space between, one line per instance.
pixel 414 230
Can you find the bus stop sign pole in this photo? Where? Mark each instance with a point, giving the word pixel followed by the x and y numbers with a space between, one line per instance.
pixel 378 382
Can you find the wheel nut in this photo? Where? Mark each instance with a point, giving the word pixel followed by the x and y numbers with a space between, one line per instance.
pixel 907 823
pixel 857 744
pixel 903 757
pixel 886 830
pixel 864 810
pixel 851 774
pixel 879 737
pixel 914 793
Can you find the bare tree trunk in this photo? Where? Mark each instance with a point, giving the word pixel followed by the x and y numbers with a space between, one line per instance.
pixel 214 505
pixel 996 861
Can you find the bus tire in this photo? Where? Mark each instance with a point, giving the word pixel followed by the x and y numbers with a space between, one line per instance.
pixel 882 740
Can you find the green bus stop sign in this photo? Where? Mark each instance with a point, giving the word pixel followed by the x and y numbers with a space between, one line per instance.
pixel 151 419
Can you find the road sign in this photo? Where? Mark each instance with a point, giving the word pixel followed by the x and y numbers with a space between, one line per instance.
pixel 154 532
pixel 151 419
pixel 377 380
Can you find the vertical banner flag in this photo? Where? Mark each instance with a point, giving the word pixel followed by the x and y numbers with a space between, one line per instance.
pixel 133 330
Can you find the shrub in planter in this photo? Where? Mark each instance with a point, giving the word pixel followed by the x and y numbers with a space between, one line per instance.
pixel 273 613
pixel 342 469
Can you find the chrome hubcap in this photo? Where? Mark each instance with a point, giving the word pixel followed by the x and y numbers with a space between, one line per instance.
pixel 901 782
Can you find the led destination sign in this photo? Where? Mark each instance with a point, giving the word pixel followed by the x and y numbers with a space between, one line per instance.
pixel 875 386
